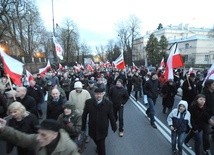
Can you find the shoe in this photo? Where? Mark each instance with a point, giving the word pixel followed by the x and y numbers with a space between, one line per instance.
pixel 187 145
pixel 87 139
pixel 174 152
pixel 207 152
pixel 153 125
pixel 145 103
pixel 121 134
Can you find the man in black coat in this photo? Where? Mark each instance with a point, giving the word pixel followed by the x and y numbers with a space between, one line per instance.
pixel 100 111
pixel 26 100
pixel 119 96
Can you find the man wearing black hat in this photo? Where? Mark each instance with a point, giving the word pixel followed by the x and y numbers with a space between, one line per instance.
pixel 100 111
pixel 119 96
pixel 50 140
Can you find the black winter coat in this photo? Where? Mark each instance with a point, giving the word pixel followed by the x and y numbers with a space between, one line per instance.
pixel 54 108
pixel 189 95
pixel 118 96
pixel 29 103
pixel 99 117
pixel 209 104
pixel 151 88
pixel 36 92
pixel 137 82
pixel 169 92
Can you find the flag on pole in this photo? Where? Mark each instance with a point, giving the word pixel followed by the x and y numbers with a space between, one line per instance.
pixel 134 66
pixel 162 63
pixel 59 50
pixel 42 71
pixel 191 70
pixel 210 74
pixel 12 67
pixel 60 66
pixel 119 62
pixel 89 67
pixel 174 61
pixel 107 64
pixel 29 75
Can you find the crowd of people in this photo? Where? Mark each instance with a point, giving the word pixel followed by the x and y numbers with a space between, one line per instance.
pixel 83 102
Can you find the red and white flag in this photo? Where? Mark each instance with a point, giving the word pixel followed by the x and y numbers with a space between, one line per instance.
pixel 162 63
pixel 119 62
pixel 107 64
pixel 134 66
pixel 42 71
pixel 29 75
pixel 210 74
pixel 12 67
pixel 60 66
pixel 89 67
pixel 102 64
pixel 174 61
pixel 191 70
pixel 59 50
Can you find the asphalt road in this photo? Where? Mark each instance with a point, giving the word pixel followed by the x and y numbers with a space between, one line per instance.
pixel 139 137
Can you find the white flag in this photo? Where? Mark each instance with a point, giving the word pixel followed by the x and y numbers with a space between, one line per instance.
pixel 59 50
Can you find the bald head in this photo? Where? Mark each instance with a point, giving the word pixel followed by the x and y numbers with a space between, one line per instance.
pixel 21 92
pixel 55 93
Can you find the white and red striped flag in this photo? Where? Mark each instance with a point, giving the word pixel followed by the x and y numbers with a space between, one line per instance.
pixel 107 64
pixel 191 70
pixel 134 66
pixel 119 62
pixel 12 67
pixel 174 61
pixel 162 63
pixel 60 66
pixel 89 67
pixel 210 74
pixel 42 71
pixel 59 50
pixel 29 75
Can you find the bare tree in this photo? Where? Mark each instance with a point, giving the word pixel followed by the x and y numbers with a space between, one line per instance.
pixel 128 31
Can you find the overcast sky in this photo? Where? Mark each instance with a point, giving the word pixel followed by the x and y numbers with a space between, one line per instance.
pixel 96 19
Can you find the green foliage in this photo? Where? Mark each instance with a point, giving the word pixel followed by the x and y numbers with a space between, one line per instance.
pixel 160 26
pixel 156 50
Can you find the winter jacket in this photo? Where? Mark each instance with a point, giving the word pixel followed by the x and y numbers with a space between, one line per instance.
pixel 36 92
pixel 209 104
pixel 168 93
pixel 137 81
pixel 180 121
pixel 65 146
pixel 151 88
pixel 118 95
pixel 99 117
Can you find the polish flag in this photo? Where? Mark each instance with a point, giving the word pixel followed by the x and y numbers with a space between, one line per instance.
pixel 60 66
pixel 29 75
pixel 107 64
pixel 210 74
pixel 191 70
pixel 162 63
pixel 102 64
pixel 174 61
pixel 12 67
pixel 89 67
pixel 119 62
pixel 77 69
pixel 42 71
pixel 134 66
pixel 59 50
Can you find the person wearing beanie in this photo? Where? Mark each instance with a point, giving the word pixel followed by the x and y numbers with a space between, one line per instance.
pixel 70 119
pixel 179 122
pixel 50 140
pixel 151 89
pixel 79 96
pixel 118 95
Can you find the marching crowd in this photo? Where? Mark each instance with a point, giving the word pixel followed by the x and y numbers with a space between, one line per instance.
pixel 80 105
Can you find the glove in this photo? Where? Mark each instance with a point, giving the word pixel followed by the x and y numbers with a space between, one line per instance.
pixel 66 121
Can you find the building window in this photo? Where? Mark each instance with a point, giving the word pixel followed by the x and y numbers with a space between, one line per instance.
pixel 187 46
pixel 206 57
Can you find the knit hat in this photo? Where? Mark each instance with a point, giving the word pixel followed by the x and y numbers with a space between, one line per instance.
pixel 78 84
pixel 120 80
pixel 50 124
pixel 69 105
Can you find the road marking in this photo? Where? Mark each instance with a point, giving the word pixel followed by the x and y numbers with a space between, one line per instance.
pixel 164 130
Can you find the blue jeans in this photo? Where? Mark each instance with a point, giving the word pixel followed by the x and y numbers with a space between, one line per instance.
pixel 118 111
pixel 151 111
pixel 174 136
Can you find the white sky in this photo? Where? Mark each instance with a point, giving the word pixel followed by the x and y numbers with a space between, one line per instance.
pixel 96 19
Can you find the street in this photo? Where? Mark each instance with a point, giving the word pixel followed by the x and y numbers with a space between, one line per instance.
pixel 139 137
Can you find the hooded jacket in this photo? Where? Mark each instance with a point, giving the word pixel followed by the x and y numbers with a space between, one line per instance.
pixel 180 120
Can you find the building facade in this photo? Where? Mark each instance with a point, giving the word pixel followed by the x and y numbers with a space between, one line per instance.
pixel 194 43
